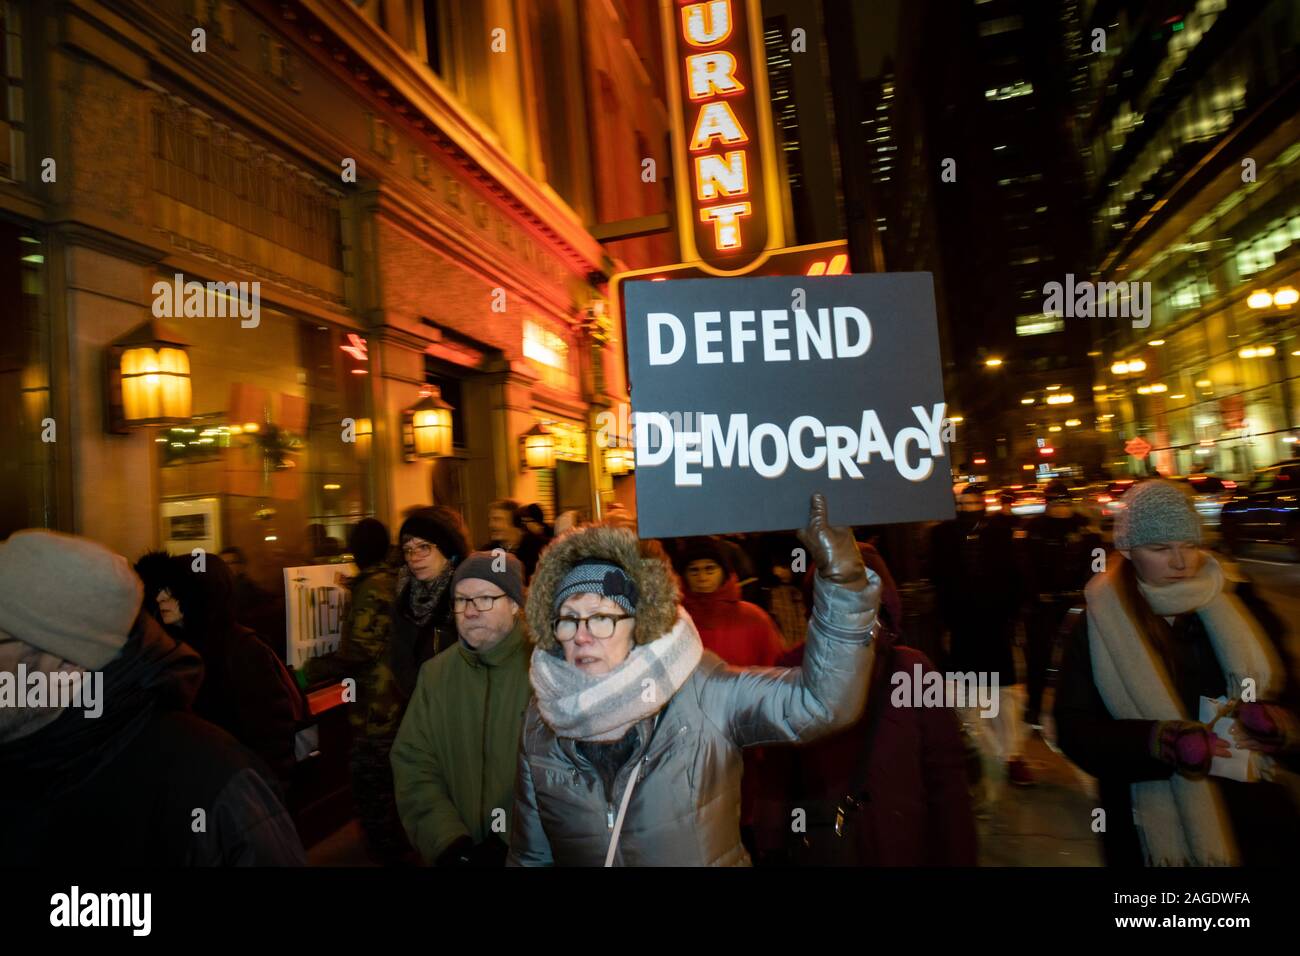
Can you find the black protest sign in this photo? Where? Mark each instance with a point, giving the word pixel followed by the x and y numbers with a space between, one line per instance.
pixel 750 394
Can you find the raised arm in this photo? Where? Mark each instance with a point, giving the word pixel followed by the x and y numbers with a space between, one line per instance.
pixel 771 705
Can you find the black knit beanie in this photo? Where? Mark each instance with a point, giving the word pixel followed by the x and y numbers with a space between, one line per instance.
pixel 437 528
pixel 706 549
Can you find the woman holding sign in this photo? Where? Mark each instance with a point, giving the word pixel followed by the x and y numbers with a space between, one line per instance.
pixel 1175 696
pixel 631 748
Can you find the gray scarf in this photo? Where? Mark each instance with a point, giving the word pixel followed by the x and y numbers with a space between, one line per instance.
pixel 602 707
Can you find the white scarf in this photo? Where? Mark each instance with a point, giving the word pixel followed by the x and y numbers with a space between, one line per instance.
pixel 1181 822
pixel 602 707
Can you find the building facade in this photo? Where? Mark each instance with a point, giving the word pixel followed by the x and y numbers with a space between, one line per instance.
pixel 1192 150
pixel 997 75
pixel 412 186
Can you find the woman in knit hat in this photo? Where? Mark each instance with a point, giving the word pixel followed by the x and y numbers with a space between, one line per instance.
pixel 631 748
pixel 115 783
pixel 433 543
pixel 1168 639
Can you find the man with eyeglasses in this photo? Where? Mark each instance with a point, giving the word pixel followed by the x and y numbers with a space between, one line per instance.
pixel 454 758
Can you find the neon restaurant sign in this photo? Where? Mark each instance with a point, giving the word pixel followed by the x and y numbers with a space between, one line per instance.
pixel 729 200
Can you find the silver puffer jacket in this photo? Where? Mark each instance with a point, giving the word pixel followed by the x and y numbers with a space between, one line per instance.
pixel 685 806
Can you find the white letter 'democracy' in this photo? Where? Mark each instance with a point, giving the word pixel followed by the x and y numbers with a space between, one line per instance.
pixel 687 446
pixel 735 441
pixel 797 428
pixel 932 424
pixel 658 421
pixel 655 323
pixel 923 466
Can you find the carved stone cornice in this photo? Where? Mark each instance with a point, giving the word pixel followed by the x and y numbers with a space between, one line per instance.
pixel 372 61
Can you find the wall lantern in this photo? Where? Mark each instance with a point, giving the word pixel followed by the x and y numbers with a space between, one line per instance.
pixel 364 436
pixel 619 460
pixel 148 379
pixel 538 445
pixel 426 426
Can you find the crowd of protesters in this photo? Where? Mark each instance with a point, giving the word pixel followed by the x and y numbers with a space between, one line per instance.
pixel 574 695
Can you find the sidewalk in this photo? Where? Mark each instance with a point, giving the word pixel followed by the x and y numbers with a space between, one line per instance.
pixel 1048 824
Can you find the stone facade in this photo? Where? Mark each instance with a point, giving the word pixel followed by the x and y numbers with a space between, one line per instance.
pixel 305 149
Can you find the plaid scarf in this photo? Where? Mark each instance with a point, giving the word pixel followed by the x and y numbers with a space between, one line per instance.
pixel 602 707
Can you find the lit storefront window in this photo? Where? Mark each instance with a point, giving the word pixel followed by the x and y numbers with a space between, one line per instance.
pixel 266 463
pixel 549 353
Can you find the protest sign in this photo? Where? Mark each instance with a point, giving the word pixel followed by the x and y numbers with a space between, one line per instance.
pixel 316 598
pixel 750 394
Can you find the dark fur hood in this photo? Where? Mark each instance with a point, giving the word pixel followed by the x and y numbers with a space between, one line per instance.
pixel 644 561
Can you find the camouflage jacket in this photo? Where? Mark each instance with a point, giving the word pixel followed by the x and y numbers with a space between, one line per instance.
pixel 363 655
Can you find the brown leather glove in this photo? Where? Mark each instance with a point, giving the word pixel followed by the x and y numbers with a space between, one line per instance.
pixel 833 550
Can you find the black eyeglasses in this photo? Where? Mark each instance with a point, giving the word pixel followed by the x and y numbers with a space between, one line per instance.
pixel 599 626
pixel 482 602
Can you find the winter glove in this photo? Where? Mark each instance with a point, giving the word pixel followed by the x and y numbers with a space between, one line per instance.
pixel 1186 746
pixel 460 854
pixel 490 854
pixel 833 550
pixel 1268 728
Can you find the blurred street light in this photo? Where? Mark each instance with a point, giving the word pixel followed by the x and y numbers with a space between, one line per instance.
pixel 1257 351
pixel 1284 297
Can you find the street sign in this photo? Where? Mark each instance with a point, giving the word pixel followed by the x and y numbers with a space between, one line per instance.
pixel 748 395
pixel 1138 447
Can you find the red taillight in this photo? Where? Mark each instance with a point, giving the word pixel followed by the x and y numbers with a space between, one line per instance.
pixel 1103 499
pixel 1229 484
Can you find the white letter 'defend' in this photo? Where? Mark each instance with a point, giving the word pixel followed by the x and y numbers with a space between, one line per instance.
pixel 656 322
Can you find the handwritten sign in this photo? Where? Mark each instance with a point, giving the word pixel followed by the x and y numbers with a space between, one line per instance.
pixel 316 599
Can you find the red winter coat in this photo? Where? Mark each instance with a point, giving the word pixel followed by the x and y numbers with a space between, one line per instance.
pixel 744 636
pixel 915 800
pixel 739 632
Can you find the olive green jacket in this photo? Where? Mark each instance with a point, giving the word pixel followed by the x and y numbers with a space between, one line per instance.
pixel 454 759
pixel 364 655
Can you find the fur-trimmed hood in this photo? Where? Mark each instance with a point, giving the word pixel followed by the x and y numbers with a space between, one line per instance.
pixel 645 563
